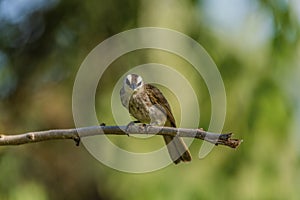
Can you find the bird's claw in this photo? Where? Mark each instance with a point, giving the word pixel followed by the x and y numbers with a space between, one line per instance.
pixel 128 127
pixel 146 127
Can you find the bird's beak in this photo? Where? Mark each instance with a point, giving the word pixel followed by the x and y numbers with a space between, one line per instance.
pixel 133 86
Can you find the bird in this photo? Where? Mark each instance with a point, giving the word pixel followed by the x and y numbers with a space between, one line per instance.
pixel 147 104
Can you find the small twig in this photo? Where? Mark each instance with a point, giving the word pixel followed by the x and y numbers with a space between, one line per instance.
pixel 76 134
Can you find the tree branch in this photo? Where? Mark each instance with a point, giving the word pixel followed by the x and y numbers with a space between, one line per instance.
pixel 76 134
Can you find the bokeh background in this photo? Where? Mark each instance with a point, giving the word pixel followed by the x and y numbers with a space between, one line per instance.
pixel 255 45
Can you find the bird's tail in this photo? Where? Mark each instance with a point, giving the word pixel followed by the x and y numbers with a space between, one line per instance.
pixel 177 149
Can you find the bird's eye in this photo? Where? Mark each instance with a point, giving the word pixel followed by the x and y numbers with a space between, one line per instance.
pixel 127 82
pixel 139 84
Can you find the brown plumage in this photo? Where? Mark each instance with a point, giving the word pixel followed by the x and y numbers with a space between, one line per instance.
pixel 148 105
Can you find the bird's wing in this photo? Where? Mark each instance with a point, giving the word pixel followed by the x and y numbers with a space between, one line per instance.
pixel 176 147
pixel 157 98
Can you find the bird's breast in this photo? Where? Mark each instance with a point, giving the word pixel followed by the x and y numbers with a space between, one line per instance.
pixel 139 105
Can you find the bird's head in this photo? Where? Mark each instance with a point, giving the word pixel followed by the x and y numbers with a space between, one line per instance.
pixel 133 82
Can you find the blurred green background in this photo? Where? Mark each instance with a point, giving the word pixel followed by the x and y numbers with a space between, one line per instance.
pixel 255 45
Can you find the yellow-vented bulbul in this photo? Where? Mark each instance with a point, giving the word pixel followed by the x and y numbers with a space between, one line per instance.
pixel 147 104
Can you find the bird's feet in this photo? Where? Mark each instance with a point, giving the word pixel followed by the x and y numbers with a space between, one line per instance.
pixel 146 127
pixel 127 129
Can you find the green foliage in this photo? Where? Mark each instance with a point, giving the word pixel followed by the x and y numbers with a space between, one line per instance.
pixel 42 48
